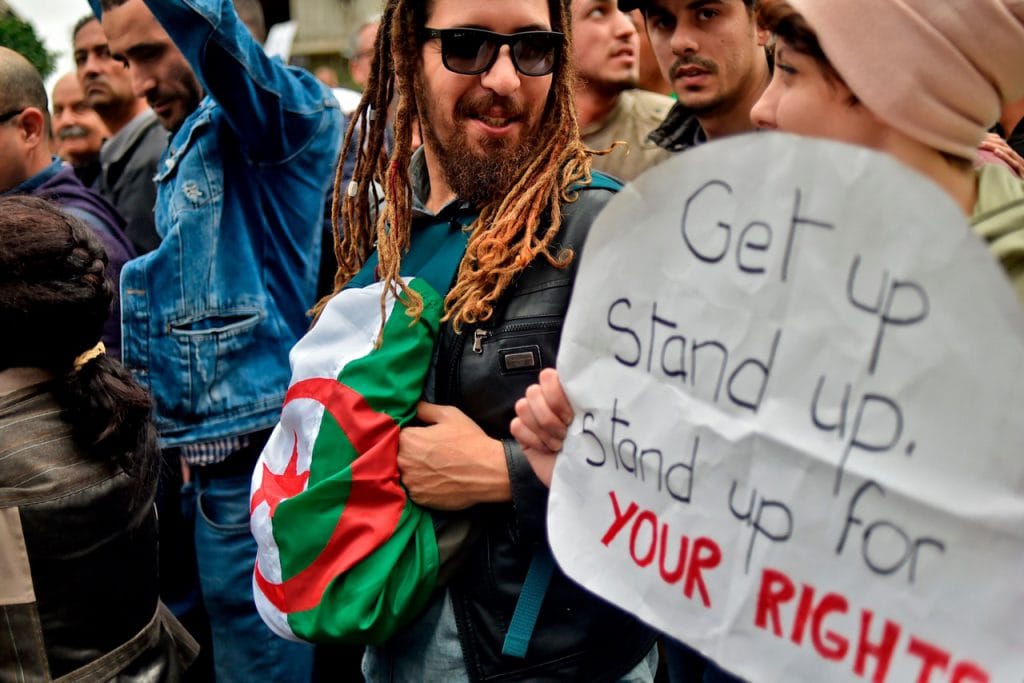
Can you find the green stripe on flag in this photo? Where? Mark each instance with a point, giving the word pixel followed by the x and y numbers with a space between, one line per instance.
pixel 380 594
pixel 406 354
pixel 367 602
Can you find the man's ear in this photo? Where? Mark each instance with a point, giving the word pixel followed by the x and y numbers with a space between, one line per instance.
pixel 763 36
pixel 33 127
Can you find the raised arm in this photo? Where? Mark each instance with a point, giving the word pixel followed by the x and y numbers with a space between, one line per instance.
pixel 276 110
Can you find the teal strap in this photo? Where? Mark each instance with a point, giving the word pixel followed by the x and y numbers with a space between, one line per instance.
pixel 520 630
pixel 436 251
pixel 599 181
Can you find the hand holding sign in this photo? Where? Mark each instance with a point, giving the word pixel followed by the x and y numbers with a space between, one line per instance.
pixel 540 423
pixel 795 374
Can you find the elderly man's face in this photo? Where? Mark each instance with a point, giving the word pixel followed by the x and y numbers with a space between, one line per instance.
pixel 77 128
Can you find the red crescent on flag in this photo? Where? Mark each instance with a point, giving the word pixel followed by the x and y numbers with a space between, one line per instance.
pixel 375 502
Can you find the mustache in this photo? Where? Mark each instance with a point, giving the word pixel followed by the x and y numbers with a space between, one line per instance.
pixel 695 60
pixel 71 132
pixel 480 106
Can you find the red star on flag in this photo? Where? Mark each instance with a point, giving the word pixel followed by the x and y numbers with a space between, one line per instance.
pixel 277 487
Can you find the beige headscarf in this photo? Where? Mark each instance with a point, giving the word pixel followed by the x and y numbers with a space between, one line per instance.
pixel 936 70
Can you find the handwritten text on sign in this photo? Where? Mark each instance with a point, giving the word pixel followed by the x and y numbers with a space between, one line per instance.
pixel 796 374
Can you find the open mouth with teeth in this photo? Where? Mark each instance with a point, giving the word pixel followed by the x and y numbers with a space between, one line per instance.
pixel 494 122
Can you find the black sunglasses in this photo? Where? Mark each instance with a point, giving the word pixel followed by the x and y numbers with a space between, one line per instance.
pixel 472 51
pixel 8 115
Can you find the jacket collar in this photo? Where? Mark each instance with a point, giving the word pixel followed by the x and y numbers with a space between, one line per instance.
pixel 680 130
pixel 419 181
pixel 13 379
pixel 32 184
pixel 116 147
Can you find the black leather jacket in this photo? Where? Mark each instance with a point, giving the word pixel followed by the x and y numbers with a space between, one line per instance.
pixel 78 559
pixel 483 371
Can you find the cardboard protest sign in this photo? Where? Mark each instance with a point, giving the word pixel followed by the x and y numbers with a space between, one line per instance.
pixel 797 378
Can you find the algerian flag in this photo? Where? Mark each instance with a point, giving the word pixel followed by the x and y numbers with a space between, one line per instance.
pixel 344 554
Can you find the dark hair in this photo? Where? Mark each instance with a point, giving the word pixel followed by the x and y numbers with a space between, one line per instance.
pixel 80 24
pixel 645 5
pixel 779 17
pixel 508 233
pixel 54 298
pixel 111 4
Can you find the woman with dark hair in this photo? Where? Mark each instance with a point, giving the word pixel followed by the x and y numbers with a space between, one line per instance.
pixel 78 458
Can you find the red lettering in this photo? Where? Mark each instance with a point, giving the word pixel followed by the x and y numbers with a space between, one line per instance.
pixel 677 573
pixel 829 644
pixel 876 649
pixel 969 672
pixel 881 652
pixel 645 516
pixel 698 562
pixel 803 611
pixel 931 658
pixel 620 519
pixel 776 588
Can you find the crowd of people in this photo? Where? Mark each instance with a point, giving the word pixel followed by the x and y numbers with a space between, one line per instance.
pixel 192 209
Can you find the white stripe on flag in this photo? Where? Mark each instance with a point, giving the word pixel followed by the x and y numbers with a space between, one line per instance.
pixel 346 330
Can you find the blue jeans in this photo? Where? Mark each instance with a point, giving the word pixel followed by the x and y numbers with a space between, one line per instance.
pixel 429 650
pixel 244 649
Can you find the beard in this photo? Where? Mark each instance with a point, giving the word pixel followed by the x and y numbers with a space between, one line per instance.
pixel 478 176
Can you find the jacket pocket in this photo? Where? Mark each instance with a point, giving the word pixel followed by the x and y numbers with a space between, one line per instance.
pixel 221 324
pixel 213 347
pixel 498 364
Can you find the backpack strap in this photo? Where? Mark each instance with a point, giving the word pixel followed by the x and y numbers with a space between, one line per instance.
pixel 531 597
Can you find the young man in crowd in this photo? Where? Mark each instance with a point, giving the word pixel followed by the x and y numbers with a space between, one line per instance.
pixel 606 54
pixel 211 314
pixel 713 54
pixel 490 85
pixel 129 158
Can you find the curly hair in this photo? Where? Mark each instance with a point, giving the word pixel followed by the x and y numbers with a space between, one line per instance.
pixel 509 232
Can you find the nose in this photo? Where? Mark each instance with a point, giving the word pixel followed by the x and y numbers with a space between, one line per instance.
pixel 624 26
pixel 91 66
pixel 502 78
pixel 142 80
pixel 683 40
pixel 762 114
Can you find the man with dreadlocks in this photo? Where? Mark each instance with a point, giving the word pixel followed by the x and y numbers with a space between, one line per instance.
pixel 476 237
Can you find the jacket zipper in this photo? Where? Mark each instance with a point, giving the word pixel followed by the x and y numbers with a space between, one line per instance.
pixel 478 340
pixel 480 336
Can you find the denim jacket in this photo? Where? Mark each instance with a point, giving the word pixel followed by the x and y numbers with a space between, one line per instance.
pixel 209 316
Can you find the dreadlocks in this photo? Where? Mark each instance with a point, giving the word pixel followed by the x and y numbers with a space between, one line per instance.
pixel 507 234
